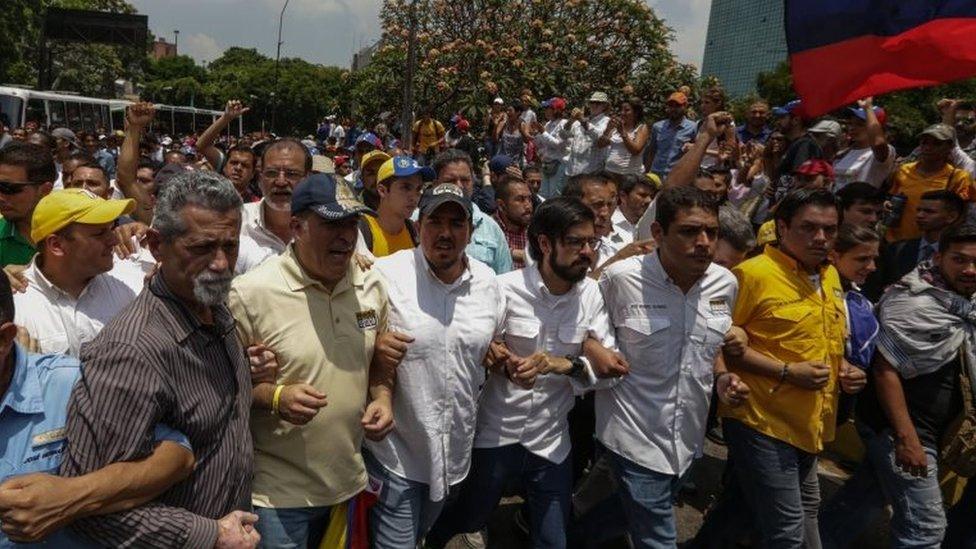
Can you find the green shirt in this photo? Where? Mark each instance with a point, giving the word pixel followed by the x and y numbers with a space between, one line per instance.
pixel 14 248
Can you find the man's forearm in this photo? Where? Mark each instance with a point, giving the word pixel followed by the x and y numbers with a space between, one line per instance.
pixel 151 525
pixel 123 486
pixel 686 169
pixel 125 175
pixel 891 395
pixel 382 380
pixel 753 361
pixel 262 396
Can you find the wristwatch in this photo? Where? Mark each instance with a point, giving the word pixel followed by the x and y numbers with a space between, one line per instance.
pixel 578 366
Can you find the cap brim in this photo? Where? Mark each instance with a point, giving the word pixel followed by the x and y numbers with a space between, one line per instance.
pixel 446 198
pixel 426 173
pixel 337 213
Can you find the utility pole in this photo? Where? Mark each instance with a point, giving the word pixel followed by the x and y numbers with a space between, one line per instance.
pixel 176 41
pixel 406 110
pixel 274 94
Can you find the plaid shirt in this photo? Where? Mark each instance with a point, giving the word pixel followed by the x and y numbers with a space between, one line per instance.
pixel 517 240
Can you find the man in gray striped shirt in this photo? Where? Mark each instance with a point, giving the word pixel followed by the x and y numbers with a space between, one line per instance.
pixel 173 357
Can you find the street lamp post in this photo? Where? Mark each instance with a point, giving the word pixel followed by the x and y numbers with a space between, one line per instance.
pixel 406 111
pixel 176 41
pixel 274 100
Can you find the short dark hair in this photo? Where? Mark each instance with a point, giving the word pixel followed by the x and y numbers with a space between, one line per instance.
pixel 503 188
pixel 574 186
pixel 285 143
pixel 850 236
pixel 245 150
pixel 6 304
pixel 147 163
pixel 859 191
pixel 958 234
pixel 531 169
pixel 949 199
pixel 83 156
pixel 36 160
pixel 553 219
pixel 95 166
pixel 450 156
pixel 674 199
pixel 627 183
pixel 796 200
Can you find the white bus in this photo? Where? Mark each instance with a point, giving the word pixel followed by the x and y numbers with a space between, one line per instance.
pixel 52 110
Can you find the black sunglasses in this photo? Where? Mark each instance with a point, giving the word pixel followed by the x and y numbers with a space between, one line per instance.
pixel 9 188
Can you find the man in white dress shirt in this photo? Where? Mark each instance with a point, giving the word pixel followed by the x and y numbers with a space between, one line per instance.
pixel 670 310
pixel 74 284
pixel 452 306
pixel 523 435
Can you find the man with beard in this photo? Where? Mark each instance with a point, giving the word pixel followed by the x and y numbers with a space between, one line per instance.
pixel 791 305
pixel 173 355
pixel 671 310
pixel 284 163
pixel 452 307
pixel 514 212
pixel 551 308
pixel 308 424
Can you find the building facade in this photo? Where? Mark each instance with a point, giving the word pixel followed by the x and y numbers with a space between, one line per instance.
pixel 745 38
pixel 161 48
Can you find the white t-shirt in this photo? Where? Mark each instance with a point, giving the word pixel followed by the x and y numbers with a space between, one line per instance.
pixel 861 165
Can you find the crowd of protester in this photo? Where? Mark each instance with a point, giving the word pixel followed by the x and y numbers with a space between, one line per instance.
pixel 346 340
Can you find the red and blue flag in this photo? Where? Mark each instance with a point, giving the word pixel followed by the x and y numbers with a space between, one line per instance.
pixel 844 50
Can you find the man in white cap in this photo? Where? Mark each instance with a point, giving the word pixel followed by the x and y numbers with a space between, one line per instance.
pixel 582 133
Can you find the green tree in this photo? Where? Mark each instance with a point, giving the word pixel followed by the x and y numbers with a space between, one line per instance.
pixel 471 50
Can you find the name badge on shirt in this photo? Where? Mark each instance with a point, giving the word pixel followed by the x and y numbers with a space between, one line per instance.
pixel 46 438
pixel 366 319
pixel 719 306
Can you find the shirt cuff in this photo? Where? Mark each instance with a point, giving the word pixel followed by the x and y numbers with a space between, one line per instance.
pixel 203 533
pixel 586 380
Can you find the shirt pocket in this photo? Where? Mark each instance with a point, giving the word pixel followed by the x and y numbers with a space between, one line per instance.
pixel 570 337
pixel 792 323
pixel 644 330
pixel 522 335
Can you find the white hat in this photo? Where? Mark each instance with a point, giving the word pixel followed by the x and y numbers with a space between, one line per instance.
pixel 829 127
pixel 499 101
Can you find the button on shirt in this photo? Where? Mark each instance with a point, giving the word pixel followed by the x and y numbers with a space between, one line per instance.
pixel 668 139
pixel 790 319
pixel 655 416
pixel 536 320
pixel 324 339
pixel 62 324
pixel 583 154
pixel 435 402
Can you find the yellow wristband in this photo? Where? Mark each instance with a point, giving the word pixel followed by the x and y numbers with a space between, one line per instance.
pixel 276 399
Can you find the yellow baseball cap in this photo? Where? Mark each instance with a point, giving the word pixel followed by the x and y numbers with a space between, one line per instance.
pixel 372 156
pixel 653 180
pixel 402 166
pixel 61 208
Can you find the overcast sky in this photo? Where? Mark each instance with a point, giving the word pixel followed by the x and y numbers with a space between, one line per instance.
pixel 330 31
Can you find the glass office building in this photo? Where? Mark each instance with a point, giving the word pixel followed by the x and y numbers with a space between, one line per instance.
pixel 745 38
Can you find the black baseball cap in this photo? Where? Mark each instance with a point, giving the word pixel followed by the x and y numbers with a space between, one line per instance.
pixel 438 195
pixel 328 197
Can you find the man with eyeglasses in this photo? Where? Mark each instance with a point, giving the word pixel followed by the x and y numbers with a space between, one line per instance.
pixel 27 174
pixel 284 163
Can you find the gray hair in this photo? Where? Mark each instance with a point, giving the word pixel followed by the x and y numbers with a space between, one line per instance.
pixel 205 189
pixel 734 228
pixel 450 156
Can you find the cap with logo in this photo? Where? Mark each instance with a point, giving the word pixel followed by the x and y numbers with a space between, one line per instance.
pixel 326 196
pixel 438 195
pixel 678 98
pixel 942 132
pixel 63 207
pixel 599 97
pixel 403 166
pixel 370 139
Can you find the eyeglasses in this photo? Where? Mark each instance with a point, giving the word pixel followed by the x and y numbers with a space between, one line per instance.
pixel 577 243
pixel 9 187
pixel 290 175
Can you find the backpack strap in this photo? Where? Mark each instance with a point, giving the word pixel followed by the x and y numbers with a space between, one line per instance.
pixel 367 231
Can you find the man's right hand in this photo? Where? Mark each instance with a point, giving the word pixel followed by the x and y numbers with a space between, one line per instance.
pixel 605 362
pixel 808 375
pixel 139 115
pixel 390 348
pixel 299 403
pixel 235 109
pixel 911 457
pixel 18 280
pixel 236 531
pixel 716 123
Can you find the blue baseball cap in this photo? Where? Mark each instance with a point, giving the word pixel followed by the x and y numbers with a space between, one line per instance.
pixel 403 166
pixel 499 163
pixel 790 108
pixel 328 197
pixel 370 137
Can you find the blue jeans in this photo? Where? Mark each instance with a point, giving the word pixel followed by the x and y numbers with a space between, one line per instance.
pixel 647 498
pixel 919 518
pixel 292 527
pixel 548 487
pixel 780 484
pixel 403 512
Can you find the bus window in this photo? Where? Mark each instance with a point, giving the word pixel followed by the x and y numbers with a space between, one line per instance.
pixel 58 115
pixel 74 115
pixel 35 111
pixel 106 120
pixel 118 118
pixel 10 111
pixel 87 117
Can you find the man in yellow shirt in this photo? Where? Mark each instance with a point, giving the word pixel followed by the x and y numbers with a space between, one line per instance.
pixel 932 172
pixel 399 183
pixel 791 305
pixel 322 316
pixel 428 138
